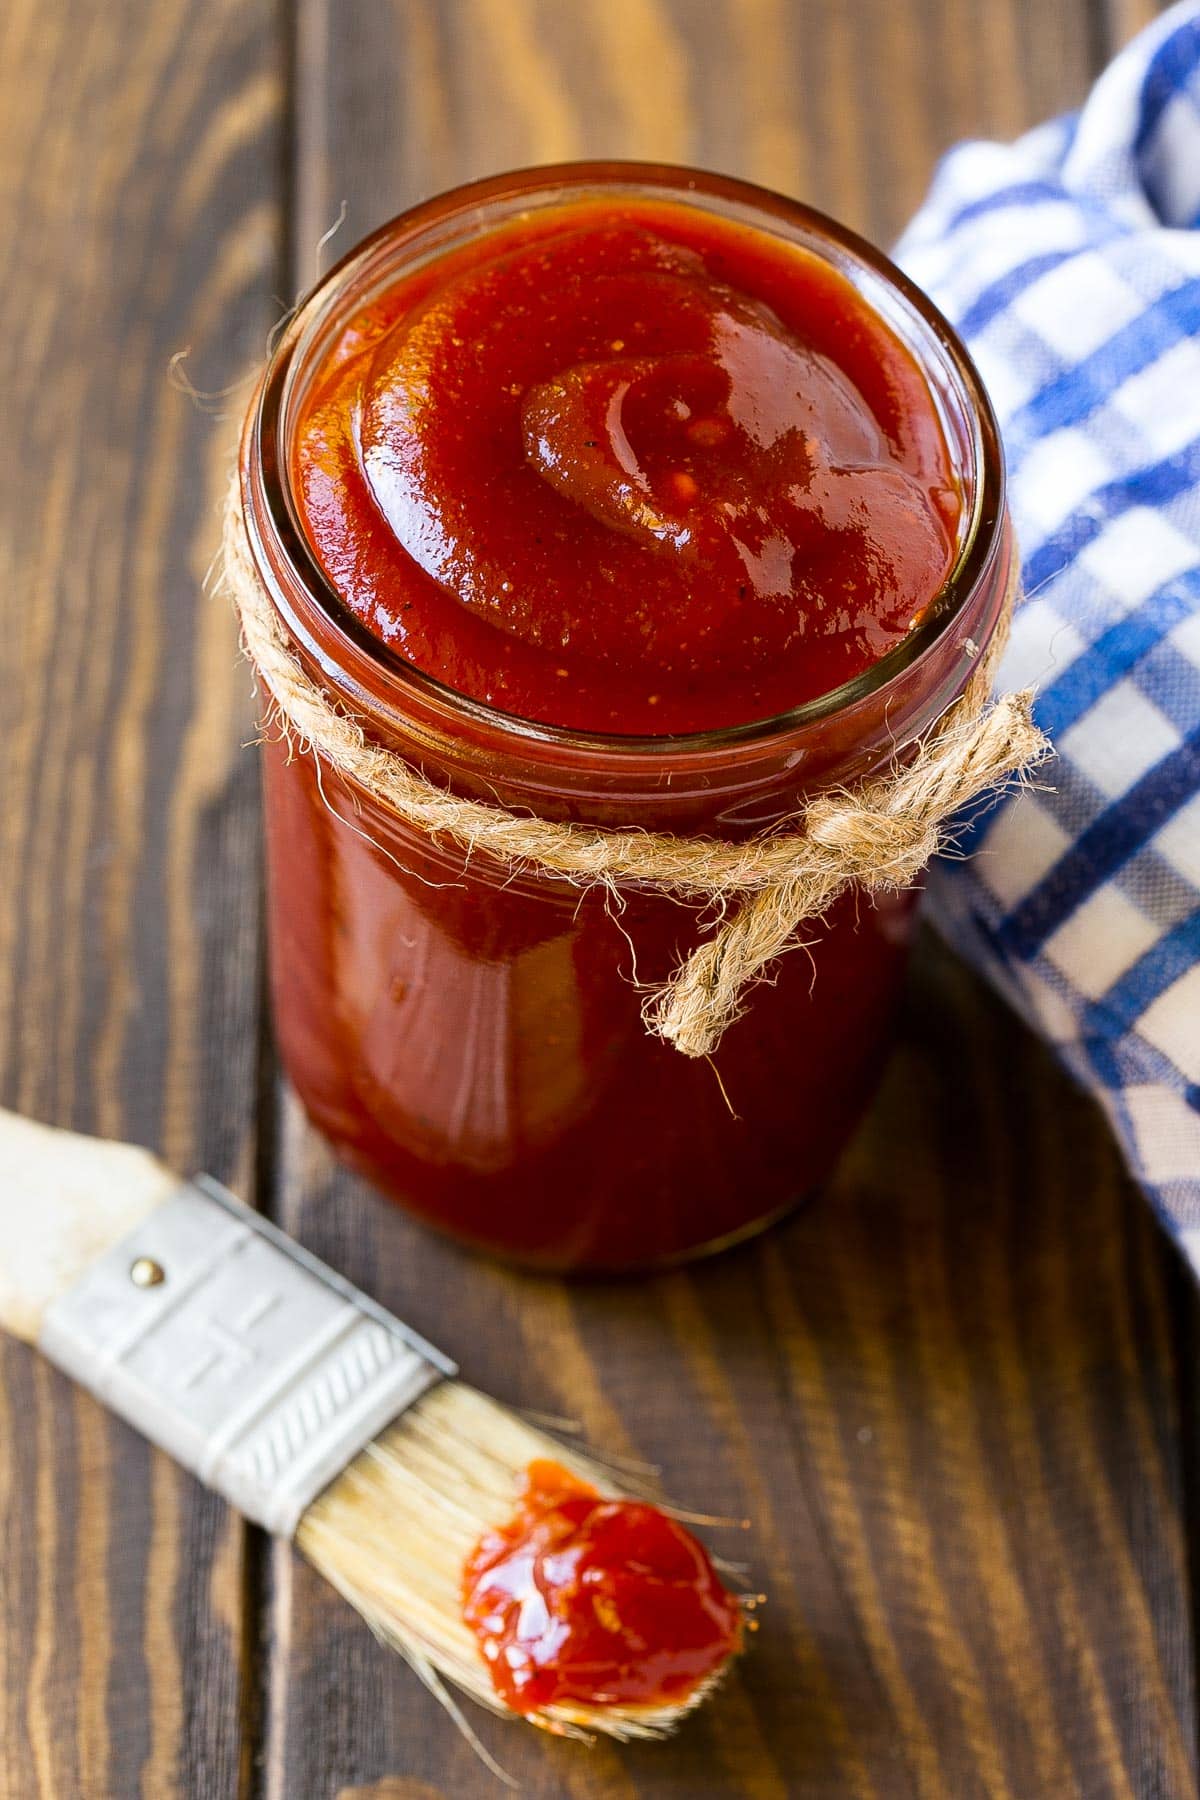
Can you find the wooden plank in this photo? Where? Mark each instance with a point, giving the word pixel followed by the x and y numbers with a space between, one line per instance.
pixel 946 1393
pixel 843 105
pixel 946 1396
pixel 1121 19
pixel 139 151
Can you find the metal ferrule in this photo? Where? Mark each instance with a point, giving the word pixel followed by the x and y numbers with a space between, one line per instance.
pixel 245 1358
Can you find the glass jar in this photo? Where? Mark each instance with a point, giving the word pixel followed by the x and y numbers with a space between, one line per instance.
pixel 471 1040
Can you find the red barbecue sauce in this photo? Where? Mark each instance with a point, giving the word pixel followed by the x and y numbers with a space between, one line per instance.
pixel 623 464
pixel 628 467
pixel 594 1601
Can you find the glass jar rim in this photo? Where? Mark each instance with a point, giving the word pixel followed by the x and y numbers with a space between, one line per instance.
pixel 264 461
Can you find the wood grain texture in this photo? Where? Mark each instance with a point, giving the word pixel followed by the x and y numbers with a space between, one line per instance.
pixel 947 1394
pixel 956 1396
pixel 843 105
pixel 139 152
pixel 950 1413
pixel 1121 19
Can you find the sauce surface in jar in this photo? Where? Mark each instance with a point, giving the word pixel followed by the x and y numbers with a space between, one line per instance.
pixel 628 468
pixel 598 1601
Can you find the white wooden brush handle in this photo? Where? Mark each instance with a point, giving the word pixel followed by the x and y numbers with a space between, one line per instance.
pixel 64 1201
pixel 210 1331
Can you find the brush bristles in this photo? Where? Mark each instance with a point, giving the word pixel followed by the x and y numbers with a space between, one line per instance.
pixel 394 1532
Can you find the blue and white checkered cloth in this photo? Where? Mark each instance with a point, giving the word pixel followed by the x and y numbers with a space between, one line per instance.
pixel 1070 262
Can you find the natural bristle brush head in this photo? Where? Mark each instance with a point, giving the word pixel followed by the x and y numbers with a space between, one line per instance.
pixel 397 1530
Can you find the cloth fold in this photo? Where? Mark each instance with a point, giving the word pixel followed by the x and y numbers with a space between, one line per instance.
pixel 1070 262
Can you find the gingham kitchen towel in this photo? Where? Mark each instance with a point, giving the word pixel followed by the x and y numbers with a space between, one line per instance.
pixel 1070 262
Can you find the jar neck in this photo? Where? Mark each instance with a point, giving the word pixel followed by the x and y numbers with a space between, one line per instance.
pixel 733 789
pixel 729 781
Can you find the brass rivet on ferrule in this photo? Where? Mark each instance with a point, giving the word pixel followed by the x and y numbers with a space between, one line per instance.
pixel 146 1273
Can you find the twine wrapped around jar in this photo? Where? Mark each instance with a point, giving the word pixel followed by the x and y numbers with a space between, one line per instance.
pixel 877 834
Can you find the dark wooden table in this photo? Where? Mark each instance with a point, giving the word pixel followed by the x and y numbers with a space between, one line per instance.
pixel 955 1396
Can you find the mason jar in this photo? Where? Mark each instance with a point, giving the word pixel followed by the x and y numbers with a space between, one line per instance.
pixel 470 1038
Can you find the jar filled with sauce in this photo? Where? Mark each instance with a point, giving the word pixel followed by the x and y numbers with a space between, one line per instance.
pixel 629 496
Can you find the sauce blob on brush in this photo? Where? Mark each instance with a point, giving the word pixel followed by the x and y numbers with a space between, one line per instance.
pixel 596 1601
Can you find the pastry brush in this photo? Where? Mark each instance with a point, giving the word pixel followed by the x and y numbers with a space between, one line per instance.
pixel 281 1386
